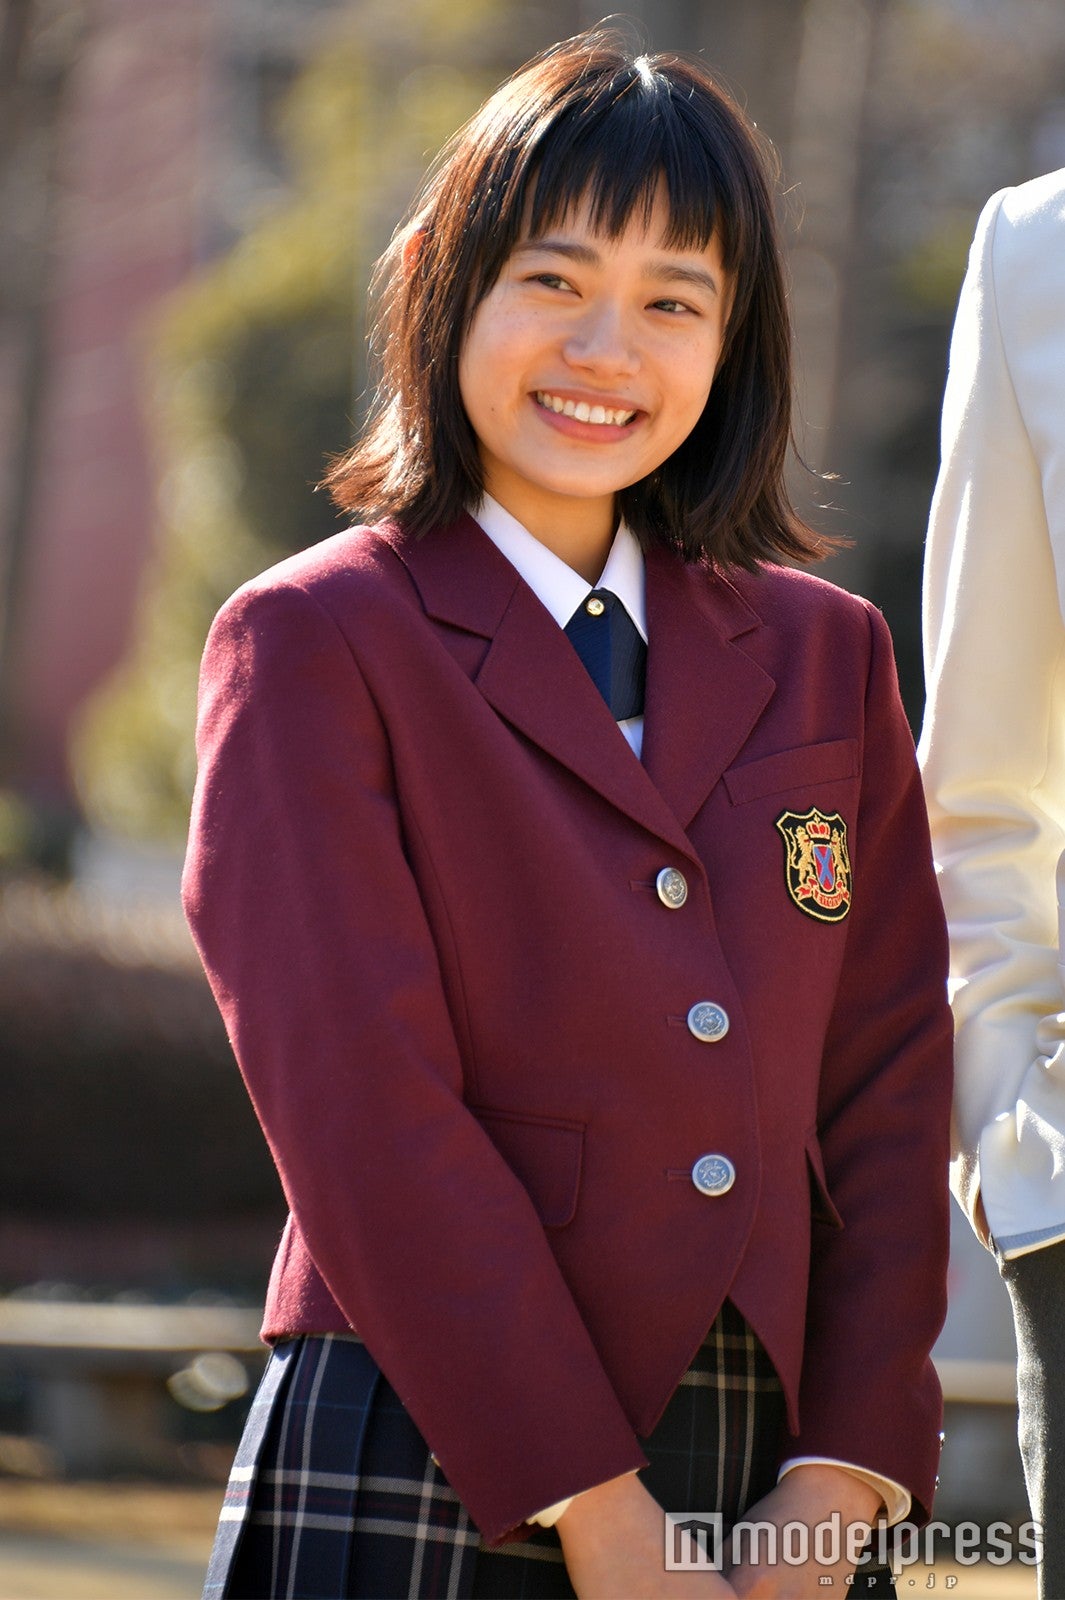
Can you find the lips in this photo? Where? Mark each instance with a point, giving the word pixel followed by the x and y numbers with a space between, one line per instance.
pixel 583 411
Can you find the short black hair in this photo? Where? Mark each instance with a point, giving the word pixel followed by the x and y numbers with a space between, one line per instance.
pixel 590 121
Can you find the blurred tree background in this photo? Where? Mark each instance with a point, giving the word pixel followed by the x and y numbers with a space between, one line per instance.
pixel 257 371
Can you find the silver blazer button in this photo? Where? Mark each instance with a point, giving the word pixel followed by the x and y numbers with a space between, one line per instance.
pixel 672 888
pixel 713 1175
pixel 708 1021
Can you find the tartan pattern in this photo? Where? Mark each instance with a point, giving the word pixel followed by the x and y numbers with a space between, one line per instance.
pixel 716 1448
pixel 241 1486
pixel 334 1495
pixel 345 1499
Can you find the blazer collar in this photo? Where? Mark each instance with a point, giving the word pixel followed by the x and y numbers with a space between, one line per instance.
pixel 558 586
pixel 704 693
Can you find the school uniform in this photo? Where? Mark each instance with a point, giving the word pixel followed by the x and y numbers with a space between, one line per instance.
pixel 557 1048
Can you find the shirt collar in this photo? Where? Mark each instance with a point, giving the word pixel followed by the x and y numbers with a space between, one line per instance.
pixel 558 588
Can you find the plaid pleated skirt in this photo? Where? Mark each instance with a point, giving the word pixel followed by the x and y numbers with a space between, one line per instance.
pixel 334 1494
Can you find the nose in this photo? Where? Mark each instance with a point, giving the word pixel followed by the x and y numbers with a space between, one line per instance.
pixel 602 340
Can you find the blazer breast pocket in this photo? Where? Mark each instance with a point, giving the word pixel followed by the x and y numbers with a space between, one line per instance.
pixel 544 1154
pixel 808 767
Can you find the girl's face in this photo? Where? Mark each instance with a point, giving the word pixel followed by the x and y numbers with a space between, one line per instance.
pixel 588 362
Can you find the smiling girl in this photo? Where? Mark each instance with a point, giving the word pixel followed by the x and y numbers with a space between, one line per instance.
pixel 560 867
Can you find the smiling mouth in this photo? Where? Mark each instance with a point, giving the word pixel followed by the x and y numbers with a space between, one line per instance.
pixel 581 411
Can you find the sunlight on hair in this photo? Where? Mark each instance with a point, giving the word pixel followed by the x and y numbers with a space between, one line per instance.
pixel 644 68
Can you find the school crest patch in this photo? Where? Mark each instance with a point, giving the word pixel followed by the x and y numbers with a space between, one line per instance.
pixel 816 863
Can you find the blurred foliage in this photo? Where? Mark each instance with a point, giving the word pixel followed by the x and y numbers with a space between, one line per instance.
pixel 255 370
pixel 16 828
pixel 106 1023
pixel 929 275
pixel 34 836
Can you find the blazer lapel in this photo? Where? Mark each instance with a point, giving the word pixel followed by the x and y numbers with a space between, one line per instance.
pixel 704 692
pixel 531 674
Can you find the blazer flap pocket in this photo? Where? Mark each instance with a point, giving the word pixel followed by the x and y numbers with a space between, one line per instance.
pixel 544 1153
pixel 822 1206
pixel 806 767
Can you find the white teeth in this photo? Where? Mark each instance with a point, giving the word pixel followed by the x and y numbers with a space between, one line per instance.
pixel 582 411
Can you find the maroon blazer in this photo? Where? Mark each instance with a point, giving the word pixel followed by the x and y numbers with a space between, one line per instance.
pixel 422 878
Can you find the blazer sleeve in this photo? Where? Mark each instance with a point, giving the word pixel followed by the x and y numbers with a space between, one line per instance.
pixel 314 938
pixel 877 1297
pixel 993 745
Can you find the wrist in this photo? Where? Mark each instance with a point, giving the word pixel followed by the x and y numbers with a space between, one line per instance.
pixel 602 1522
pixel 826 1487
pixel 604 1500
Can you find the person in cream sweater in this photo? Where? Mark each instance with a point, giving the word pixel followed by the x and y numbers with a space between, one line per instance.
pixel 993 756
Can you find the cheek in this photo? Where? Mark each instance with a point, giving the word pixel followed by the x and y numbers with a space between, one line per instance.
pixel 479 393
pixel 693 385
pixel 689 403
pixel 471 386
pixel 481 360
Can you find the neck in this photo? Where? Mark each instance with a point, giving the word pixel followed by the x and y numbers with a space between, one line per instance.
pixel 584 552
pixel 580 533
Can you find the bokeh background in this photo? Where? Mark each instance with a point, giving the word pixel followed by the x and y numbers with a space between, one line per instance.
pixel 192 194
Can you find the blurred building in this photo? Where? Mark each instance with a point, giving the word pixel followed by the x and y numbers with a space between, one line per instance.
pixel 139 144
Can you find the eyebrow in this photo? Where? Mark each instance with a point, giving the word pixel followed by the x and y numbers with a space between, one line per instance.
pixel 659 267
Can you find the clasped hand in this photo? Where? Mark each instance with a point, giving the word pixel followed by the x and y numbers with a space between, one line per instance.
pixel 612 1539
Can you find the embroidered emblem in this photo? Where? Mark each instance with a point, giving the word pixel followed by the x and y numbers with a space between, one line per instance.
pixel 817 864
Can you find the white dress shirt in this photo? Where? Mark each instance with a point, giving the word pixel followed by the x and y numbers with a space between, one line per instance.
pixel 562 591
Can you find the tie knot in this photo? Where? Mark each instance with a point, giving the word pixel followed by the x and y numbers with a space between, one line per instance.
pixel 600 601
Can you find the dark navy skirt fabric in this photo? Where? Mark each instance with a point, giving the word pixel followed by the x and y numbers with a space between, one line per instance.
pixel 335 1496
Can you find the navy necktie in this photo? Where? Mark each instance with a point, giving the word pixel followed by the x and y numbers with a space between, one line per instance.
pixel 609 643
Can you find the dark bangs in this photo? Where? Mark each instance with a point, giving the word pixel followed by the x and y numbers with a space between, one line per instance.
pixel 589 123
pixel 633 134
pixel 610 143
pixel 614 153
